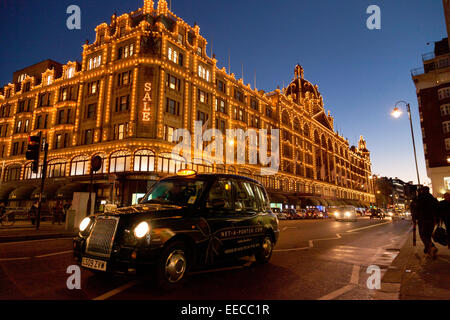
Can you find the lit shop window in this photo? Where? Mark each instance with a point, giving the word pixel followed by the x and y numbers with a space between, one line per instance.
pixel 144 160
pixel 49 80
pixel 79 166
pixel 203 73
pixel 126 51
pixel 170 163
pixel 56 168
pixel 94 62
pixel 120 161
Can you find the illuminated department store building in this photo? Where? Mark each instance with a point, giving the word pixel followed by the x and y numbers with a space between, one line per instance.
pixel 147 74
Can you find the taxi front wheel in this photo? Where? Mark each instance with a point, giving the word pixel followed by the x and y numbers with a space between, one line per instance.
pixel 264 253
pixel 172 267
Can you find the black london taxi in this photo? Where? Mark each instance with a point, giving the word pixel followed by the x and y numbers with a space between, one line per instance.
pixel 184 221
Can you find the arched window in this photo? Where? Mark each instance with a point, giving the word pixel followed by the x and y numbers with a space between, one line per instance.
pixel 12 173
pixel 170 163
pixel 144 161
pixel 79 166
pixel 120 161
pixel 202 166
pixel 285 119
pixel 306 132
pixel 56 168
pixel 30 174
pixel 296 125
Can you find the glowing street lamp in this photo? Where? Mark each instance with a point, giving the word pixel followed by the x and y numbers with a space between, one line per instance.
pixel 396 113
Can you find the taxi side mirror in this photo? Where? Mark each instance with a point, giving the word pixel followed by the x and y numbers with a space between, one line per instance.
pixel 218 203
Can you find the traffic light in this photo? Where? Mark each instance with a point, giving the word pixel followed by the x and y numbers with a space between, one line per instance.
pixel 34 146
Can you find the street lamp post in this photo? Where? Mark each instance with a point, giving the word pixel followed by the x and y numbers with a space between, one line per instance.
pixel 396 113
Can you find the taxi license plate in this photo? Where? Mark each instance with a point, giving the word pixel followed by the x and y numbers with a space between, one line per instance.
pixel 94 264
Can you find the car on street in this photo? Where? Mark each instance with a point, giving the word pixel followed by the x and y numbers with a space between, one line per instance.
pixel 185 221
pixel 345 213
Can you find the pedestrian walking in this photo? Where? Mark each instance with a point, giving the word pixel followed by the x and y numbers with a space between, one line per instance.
pixel 33 212
pixel 58 212
pixel 424 210
pixel 444 214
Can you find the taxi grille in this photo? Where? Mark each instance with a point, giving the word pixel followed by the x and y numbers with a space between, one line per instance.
pixel 102 236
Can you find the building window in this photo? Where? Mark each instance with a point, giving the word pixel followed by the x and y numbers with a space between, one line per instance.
pixel 446 126
pixel 202 117
pixel 22 77
pixel 180 38
pixel 18 126
pixel 13 173
pixel 168 133
pixel 124 78
pixel 221 86
pixel 27 126
pixel 445 110
pixel 44 99
pixel 447 144
pixel 221 125
pixel 173 83
pixel 170 163
pixel 120 131
pixel 94 62
pixel 63 94
pixel 255 105
pixel 26 87
pixel 220 106
pixel 120 162
pixel 122 103
pixel 203 73
pixel 202 96
pixel 88 137
pixel 126 51
pixel 172 107
pixel 144 161
pixel 79 166
pixel 59 141
pixel 15 149
pixel 238 95
pixel 90 111
pixel 92 88
pixel 70 72
pixel 56 169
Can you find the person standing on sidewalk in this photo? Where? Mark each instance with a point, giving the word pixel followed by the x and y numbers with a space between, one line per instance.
pixel 444 214
pixel 424 210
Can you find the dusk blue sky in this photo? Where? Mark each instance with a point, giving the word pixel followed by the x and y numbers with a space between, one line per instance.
pixel 360 73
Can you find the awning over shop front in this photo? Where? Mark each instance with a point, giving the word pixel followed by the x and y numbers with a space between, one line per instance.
pixel 277 198
pixel 66 192
pixel 310 202
pixel 50 191
pixel 6 189
pixel 22 193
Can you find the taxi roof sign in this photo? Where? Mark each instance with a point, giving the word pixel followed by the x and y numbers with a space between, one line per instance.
pixel 186 172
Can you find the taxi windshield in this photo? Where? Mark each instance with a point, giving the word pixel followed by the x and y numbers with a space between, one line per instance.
pixel 181 192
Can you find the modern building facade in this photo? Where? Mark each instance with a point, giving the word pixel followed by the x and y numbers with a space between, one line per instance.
pixel 146 75
pixel 432 83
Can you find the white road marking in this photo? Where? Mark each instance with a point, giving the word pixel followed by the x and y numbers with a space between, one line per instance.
pixel 338 292
pixel 40 256
pixel 15 259
pixel 116 291
pixel 355 275
pixel 372 226
pixel 311 244
pixel 54 254
pixel 31 241
pixel 354 281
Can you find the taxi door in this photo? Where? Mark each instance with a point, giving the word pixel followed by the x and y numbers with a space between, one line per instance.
pixel 249 226
pixel 221 219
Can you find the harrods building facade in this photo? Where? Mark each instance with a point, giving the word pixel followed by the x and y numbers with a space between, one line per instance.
pixel 146 75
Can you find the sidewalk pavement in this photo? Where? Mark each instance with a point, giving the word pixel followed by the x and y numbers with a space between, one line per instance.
pixel 412 276
pixel 24 231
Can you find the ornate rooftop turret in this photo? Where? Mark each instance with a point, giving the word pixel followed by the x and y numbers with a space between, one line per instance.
pixel 163 8
pixel 148 6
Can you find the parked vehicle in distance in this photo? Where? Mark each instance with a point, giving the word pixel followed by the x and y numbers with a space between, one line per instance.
pixel 281 216
pixel 301 213
pixel 346 213
pixel 291 214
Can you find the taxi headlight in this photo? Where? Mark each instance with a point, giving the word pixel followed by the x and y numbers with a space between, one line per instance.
pixel 347 214
pixel 336 214
pixel 141 230
pixel 84 224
